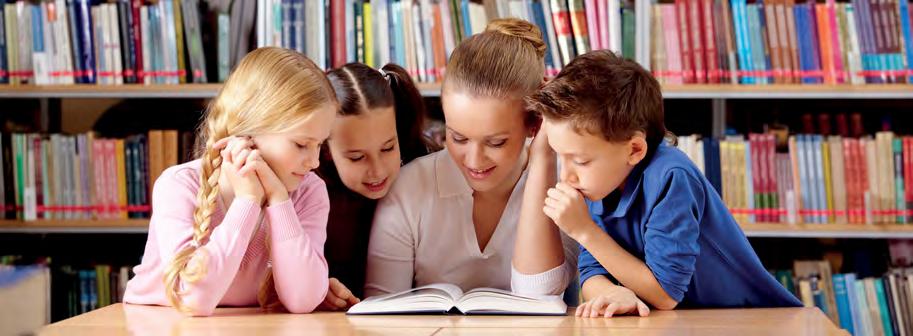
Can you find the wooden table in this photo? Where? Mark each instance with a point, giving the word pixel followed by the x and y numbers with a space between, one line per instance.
pixel 122 319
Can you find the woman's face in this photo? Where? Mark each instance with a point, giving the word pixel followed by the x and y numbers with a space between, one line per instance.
pixel 485 137
pixel 365 151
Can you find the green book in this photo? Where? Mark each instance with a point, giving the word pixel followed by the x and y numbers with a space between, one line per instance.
pixel 883 310
pixel 627 33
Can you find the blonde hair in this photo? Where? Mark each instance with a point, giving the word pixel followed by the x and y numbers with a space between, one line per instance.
pixel 504 61
pixel 270 91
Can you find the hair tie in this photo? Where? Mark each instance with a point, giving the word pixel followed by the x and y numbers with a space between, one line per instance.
pixel 386 75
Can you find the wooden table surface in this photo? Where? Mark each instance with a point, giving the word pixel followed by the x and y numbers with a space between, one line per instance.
pixel 122 319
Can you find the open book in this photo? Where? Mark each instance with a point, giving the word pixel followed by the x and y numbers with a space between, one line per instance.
pixel 444 298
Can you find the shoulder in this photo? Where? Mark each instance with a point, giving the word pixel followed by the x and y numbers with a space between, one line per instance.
pixel 671 163
pixel 419 176
pixel 311 191
pixel 179 178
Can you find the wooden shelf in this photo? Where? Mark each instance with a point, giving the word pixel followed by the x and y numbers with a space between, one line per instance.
pixel 871 231
pixel 757 230
pixel 110 91
pixel 694 91
pixel 76 226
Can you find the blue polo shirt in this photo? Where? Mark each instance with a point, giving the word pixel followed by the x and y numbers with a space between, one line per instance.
pixel 669 216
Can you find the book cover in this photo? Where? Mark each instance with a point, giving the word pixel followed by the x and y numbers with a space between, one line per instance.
pixel 684 42
pixel 696 23
pixel 563 32
pixel 828 181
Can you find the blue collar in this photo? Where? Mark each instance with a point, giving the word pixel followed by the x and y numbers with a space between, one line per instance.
pixel 632 187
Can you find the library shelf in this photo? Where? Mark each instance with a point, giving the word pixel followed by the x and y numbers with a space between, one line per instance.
pixel 110 91
pixel 75 226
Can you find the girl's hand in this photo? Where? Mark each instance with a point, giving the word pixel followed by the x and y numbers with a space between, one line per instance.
pixel 238 168
pixel 338 297
pixel 617 301
pixel 272 185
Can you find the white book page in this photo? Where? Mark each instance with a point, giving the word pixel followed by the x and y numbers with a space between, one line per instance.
pixel 497 301
pixel 434 297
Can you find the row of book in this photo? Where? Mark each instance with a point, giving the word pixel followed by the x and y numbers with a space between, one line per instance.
pixel 420 34
pixel 816 179
pixel 782 41
pixel 125 41
pixel 862 306
pixel 75 290
pixel 84 176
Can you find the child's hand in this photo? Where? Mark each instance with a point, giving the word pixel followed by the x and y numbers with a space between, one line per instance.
pixel 238 167
pixel 338 297
pixel 566 207
pixel 272 185
pixel 617 301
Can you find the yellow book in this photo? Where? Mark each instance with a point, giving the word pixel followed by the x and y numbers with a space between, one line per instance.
pixel 738 151
pixel 155 152
pixel 179 38
pixel 828 189
pixel 724 174
pixel 369 36
pixel 121 178
pixel 170 149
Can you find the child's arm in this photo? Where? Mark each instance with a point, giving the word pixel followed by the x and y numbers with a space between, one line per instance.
pixel 173 199
pixel 671 235
pixel 391 248
pixel 296 250
pixel 538 248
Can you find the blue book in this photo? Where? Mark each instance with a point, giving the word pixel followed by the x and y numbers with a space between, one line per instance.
pixel 802 155
pixel 535 7
pixel 82 17
pixel 813 30
pixel 4 67
pixel 84 292
pixel 821 197
pixel 397 50
pixel 904 6
pixel 843 305
pixel 883 309
pixel 802 41
pixel 467 22
pixel 852 300
pixel 712 163
pixel 762 25
pixel 744 56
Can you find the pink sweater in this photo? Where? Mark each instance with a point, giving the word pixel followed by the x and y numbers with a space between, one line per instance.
pixel 237 260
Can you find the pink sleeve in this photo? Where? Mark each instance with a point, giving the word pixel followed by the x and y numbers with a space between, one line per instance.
pixel 297 234
pixel 173 201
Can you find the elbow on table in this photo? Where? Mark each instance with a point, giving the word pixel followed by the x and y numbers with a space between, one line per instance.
pixel 665 303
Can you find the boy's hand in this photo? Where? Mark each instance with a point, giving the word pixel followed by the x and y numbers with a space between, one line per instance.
pixel 338 297
pixel 566 207
pixel 617 301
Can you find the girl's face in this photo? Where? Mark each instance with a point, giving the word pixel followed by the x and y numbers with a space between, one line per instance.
pixel 485 137
pixel 293 154
pixel 365 151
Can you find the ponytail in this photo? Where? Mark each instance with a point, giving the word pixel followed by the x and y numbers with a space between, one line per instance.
pixel 410 113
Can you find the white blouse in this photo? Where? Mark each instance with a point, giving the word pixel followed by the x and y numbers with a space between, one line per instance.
pixel 423 233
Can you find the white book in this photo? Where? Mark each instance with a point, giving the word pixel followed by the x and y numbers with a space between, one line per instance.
pixel 418 38
pixel 446 23
pixel 321 59
pixel 615 26
pixel 99 43
pixel 311 21
pixel 872 171
pixel 298 25
pixel 261 23
pixel 147 44
pixel 64 53
pixel 477 17
pixel 426 21
pixel 749 185
pixel 276 22
pixel 517 9
pixel 40 63
pixel 351 47
pixel 853 55
pixel 552 37
pixel 170 42
pixel 30 198
pixel 442 298
pixel 114 46
pixel 381 28
pixel 50 44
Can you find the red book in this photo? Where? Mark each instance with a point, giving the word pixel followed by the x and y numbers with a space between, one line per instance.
pixel 849 179
pixel 337 33
pixel 824 124
pixel 681 10
pixel 771 149
pixel 843 128
pixel 862 176
pixel 710 47
pixel 135 6
pixel 908 175
pixel 695 25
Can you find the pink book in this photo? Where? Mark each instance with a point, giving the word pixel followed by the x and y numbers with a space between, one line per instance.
pixel 592 24
pixel 673 53
pixel 99 178
pixel 602 16
pixel 836 52
pixel 110 179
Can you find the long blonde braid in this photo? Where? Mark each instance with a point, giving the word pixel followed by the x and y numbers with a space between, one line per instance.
pixel 271 90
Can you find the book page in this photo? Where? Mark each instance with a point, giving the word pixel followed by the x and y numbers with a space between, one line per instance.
pixel 430 298
pixel 497 301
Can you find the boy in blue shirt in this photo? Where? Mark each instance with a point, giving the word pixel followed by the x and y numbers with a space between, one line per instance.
pixel 646 218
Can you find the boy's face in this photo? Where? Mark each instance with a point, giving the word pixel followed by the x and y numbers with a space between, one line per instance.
pixel 589 163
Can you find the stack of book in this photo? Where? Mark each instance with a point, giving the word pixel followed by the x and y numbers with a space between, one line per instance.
pixel 782 42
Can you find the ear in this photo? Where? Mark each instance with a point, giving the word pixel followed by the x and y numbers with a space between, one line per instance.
pixel 637 148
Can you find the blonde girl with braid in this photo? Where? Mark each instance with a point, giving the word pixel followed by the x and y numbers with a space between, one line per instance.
pixel 245 223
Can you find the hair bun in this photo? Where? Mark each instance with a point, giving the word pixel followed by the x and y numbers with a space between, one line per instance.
pixel 521 29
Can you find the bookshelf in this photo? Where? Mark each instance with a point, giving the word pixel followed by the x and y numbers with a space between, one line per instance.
pixel 670 91
pixel 753 230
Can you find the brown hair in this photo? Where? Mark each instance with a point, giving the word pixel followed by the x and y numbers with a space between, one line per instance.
pixel 604 94
pixel 504 61
pixel 359 88
pixel 270 91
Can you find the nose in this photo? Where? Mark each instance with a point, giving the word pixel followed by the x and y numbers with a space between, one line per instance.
pixel 475 157
pixel 312 159
pixel 568 175
pixel 375 168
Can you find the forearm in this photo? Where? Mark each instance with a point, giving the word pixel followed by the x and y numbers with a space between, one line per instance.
pixel 538 245
pixel 630 271
pixel 299 268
